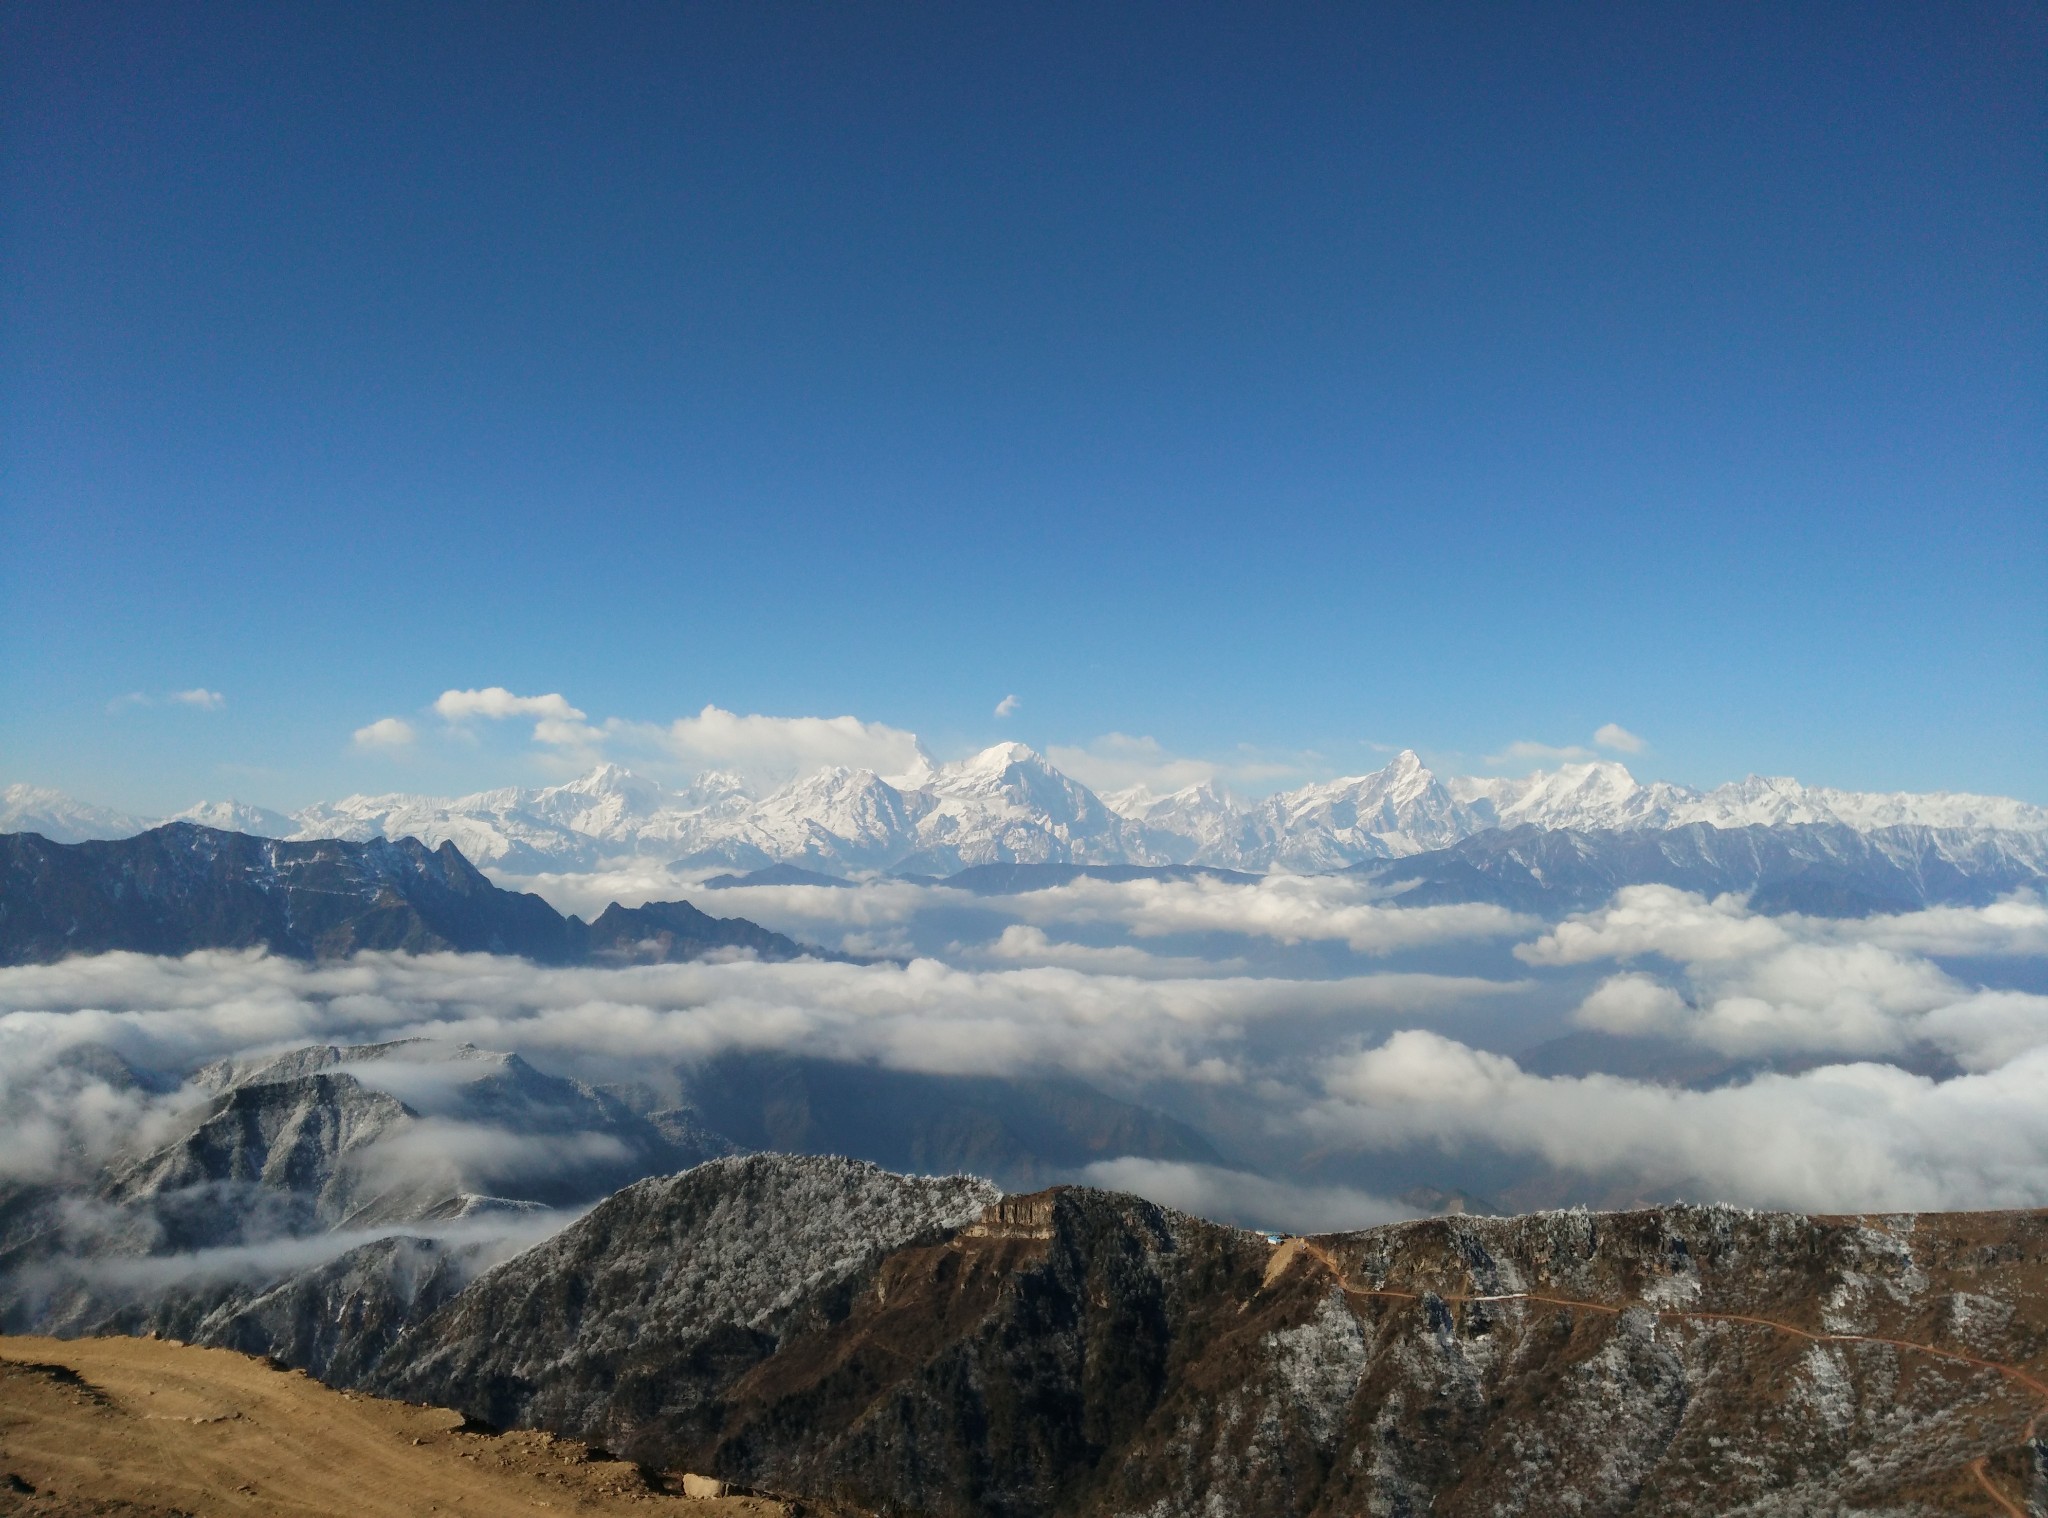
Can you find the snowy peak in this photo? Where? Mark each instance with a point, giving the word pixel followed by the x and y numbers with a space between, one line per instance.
pixel 1401 809
pixel 606 801
pixel 238 817
pixel 613 782
pixel 59 818
pixel 1597 794
pixel 1000 770
pixel 1019 777
pixel 1009 804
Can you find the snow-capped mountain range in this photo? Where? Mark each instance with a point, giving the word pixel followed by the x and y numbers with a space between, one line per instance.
pixel 1008 804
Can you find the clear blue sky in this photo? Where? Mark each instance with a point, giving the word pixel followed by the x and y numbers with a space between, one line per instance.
pixel 1301 376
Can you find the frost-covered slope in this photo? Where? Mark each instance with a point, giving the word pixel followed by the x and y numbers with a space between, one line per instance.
pixel 698 1272
pixel 832 1332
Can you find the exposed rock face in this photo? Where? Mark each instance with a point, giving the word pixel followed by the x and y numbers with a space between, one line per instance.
pixel 181 887
pixel 1083 1353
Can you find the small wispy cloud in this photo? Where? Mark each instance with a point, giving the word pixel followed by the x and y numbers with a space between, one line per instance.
pixel 494 701
pixel 198 697
pixel 775 749
pixel 1237 1196
pixel 1007 705
pixel 766 750
pixel 1120 761
pixel 557 724
pixel 1523 751
pixel 385 733
pixel 1611 736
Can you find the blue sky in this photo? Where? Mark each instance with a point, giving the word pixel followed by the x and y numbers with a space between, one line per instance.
pixel 1302 377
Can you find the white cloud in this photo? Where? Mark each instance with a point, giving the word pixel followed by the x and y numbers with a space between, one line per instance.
pixel 557 724
pixel 1007 705
pixel 1656 919
pixel 1524 751
pixel 1021 943
pixel 199 697
pixel 60 1121
pixel 2015 925
pixel 924 1016
pixel 1287 908
pixel 1611 736
pixel 763 750
pixel 782 748
pixel 1631 1004
pixel 1285 1054
pixel 1237 1196
pixel 1761 985
pixel 1842 1137
pixel 496 702
pixel 384 733
pixel 1119 761
pixel 473 1245
pixel 452 1155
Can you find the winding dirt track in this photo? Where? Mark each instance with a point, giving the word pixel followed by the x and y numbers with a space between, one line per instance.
pixel 1294 1247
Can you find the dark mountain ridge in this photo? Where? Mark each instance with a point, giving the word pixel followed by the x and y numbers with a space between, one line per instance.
pixel 902 1345
pixel 182 887
pixel 906 1345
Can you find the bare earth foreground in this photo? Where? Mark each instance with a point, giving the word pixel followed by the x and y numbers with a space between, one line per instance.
pixel 141 1428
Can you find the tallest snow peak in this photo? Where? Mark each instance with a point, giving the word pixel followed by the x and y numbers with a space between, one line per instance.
pixel 1001 756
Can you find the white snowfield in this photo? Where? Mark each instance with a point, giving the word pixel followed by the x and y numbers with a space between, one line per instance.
pixel 1008 804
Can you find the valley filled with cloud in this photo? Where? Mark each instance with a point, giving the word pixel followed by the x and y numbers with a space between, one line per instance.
pixel 1336 1052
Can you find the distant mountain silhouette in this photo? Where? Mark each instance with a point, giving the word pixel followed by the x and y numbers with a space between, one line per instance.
pixel 1824 870
pixel 182 887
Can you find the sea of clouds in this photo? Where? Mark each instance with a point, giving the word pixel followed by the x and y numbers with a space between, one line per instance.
pixel 1893 1062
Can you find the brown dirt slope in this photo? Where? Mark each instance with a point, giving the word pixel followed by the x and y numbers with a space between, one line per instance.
pixel 145 1429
